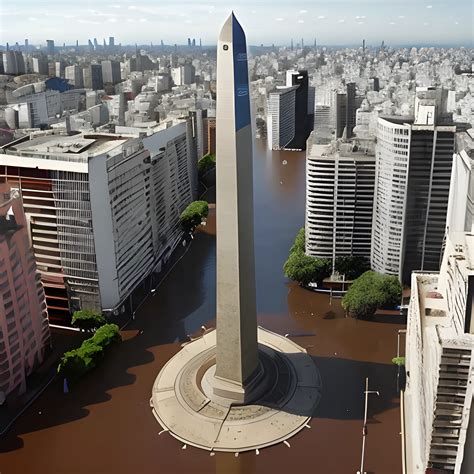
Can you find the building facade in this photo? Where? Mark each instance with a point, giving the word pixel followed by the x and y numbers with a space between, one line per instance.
pixel 438 398
pixel 93 211
pixel 111 72
pixel 92 76
pixel 290 118
pixel 74 75
pixel 24 326
pixel 413 170
pixel 340 182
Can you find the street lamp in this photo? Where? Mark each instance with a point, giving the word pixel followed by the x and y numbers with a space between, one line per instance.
pixel 364 429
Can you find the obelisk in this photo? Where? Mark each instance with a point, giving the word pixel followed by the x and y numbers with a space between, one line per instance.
pixel 237 349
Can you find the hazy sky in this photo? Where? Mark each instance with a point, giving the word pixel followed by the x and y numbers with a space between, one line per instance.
pixel 265 21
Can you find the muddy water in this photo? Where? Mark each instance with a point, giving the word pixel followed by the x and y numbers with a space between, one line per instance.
pixel 104 425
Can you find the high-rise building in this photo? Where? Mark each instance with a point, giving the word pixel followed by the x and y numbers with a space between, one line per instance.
pixel 83 192
pixel 24 327
pixel 374 84
pixel 439 363
pixel 291 113
pixel 60 68
pixel 40 109
pixel 184 74
pixel 461 190
pixel 111 72
pixel 50 47
pixel 111 42
pixel 198 118
pixel 74 75
pixel 350 108
pixel 338 112
pixel 340 179
pixel 414 160
pixel 13 63
pixel 92 76
pixel 344 106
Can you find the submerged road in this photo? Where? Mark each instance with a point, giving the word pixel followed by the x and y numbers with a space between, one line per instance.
pixel 105 424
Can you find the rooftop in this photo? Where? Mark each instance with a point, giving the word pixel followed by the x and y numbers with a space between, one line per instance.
pixel 64 147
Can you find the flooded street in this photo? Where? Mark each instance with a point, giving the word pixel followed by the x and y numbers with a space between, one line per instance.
pixel 105 424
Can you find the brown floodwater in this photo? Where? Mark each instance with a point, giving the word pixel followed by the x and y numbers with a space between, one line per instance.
pixel 105 424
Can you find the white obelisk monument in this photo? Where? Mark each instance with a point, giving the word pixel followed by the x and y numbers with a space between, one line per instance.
pixel 237 349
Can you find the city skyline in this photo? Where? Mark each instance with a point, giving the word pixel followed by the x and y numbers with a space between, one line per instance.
pixel 341 22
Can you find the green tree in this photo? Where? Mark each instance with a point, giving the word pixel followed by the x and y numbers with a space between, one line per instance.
pixel 299 244
pixel 371 291
pixel 303 268
pixel 352 266
pixel 75 363
pixel 300 267
pixel 193 215
pixel 206 163
pixel 87 319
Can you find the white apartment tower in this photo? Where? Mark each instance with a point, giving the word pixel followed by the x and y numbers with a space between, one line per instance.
pixel 339 199
pixel 414 157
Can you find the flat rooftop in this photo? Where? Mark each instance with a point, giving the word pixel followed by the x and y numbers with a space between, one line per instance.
pixel 64 147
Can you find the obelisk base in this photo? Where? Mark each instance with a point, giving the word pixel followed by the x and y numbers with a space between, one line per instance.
pixel 233 392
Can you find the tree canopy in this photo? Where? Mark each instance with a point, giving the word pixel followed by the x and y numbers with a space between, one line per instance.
pixel 75 363
pixel 206 163
pixel 193 215
pixel 303 268
pixel 87 319
pixel 352 266
pixel 371 291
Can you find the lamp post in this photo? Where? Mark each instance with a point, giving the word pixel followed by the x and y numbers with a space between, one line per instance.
pixel 364 429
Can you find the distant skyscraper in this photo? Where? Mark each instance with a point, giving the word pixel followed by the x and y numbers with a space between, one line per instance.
pixel 194 42
pixel 24 327
pixel 189 42
pixel 40 65
pixel 26 46
pixel 50 47
pixel 184 75
pixel 350 108
pixel 13 63
pixel 93 77
pixel 414 160
pixel 74 75
pixel 60 68
pixel 374 84
pixel 111 72
pixel 291 113
pixel 111 42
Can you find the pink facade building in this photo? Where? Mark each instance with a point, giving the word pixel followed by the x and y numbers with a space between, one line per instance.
pixel 24 326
